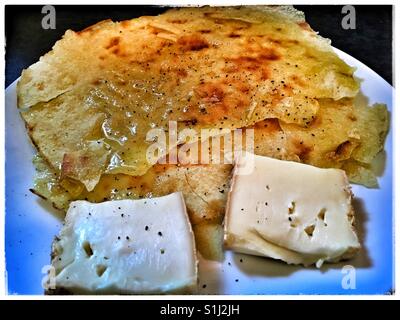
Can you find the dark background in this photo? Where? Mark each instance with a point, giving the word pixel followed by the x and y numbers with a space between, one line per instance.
pixel 26 41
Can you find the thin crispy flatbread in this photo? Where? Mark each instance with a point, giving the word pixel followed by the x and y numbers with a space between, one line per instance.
pixel 221 68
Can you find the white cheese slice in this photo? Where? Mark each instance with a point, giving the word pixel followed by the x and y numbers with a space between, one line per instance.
pixel 289 211
pixel 126 247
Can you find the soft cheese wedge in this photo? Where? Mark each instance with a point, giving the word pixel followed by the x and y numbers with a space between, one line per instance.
pixel 126 247
pixel 290 211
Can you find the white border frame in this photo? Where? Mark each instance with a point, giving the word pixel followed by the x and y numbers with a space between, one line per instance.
pixel 396 158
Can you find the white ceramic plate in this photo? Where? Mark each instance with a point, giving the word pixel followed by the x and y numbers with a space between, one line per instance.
pixel 31 225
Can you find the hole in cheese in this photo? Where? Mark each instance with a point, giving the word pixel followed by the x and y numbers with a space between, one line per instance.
pixel 100 269
pixel 292 207
pixel 310 230
pixel 321 214
pixel 87 248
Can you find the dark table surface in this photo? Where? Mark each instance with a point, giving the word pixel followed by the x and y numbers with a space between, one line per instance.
pixel 26 41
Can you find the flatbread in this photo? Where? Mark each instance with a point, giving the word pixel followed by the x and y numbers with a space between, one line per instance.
pixel 345 134
pixel 221 68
